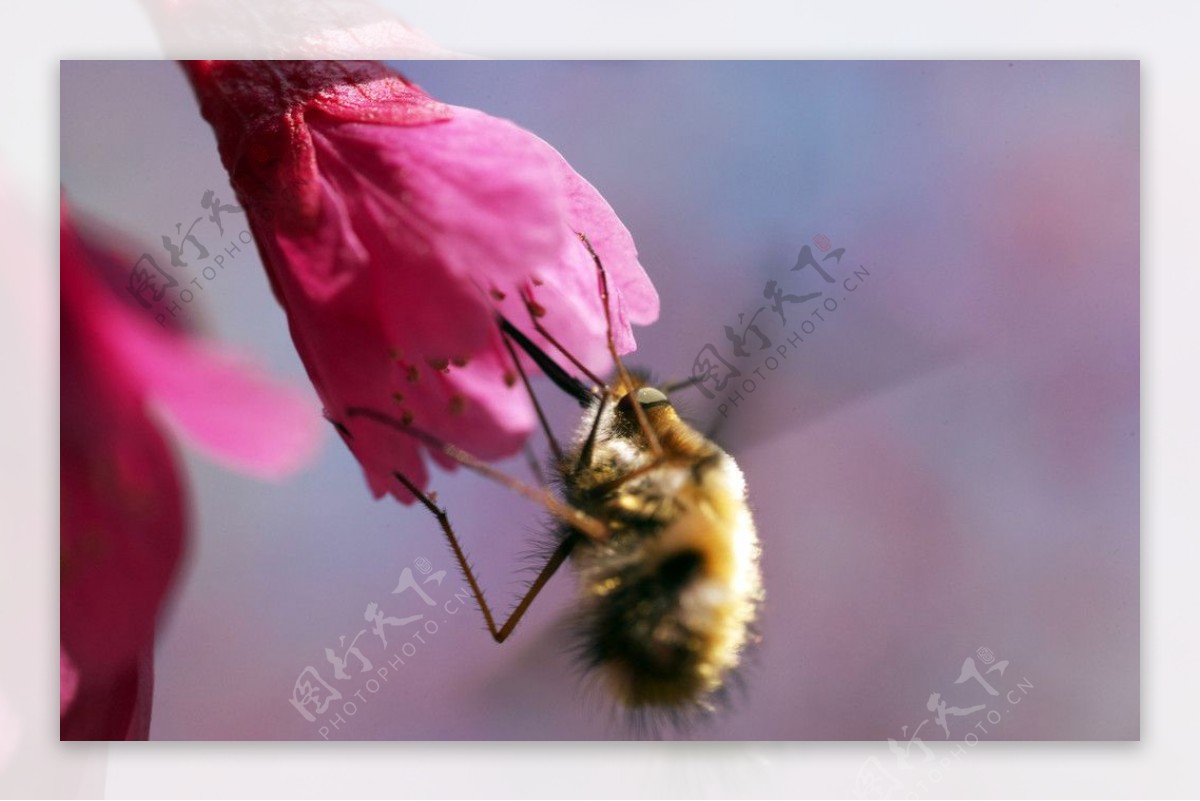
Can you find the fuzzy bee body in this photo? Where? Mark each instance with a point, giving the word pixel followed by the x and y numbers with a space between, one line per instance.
pixel 654 518
pixel 669 598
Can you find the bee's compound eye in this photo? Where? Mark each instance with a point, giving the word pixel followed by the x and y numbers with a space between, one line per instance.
pixel 649 396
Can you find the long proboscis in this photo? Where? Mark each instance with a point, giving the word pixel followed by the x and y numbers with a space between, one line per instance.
pixel 553 370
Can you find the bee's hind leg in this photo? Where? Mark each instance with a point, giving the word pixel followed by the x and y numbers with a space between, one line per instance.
pixel 580 521
pixel 556 559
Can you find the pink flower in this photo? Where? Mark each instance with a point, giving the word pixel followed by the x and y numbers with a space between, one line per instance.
pixel 393 228
pixel 123 516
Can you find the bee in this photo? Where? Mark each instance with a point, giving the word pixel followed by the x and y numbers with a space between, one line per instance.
pixel 655 520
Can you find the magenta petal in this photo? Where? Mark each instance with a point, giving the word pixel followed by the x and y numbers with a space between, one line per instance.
pixel 369 254
pixel 393 228
pixel 259 111
pixel 121 505
pixel 473 405
pixel 574 312
pixel 441 201
pixel 590 214
pixel 122 522
pixel 569 292
pixel 228 409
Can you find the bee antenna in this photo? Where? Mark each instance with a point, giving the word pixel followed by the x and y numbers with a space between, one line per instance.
pixel 685 383
pixel 623 375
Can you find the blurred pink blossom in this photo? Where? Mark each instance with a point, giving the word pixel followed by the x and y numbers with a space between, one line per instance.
pixel 123 516
pixel 393 228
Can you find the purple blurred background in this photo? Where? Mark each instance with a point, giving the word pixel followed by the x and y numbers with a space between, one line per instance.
pixel 948 462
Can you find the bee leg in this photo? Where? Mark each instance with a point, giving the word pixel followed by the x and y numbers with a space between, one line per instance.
pixel 535 466
pixel 549 569
pixel 535 313
pixel 616 483
pixel 555 562
pixel 622 373
pixel 580 521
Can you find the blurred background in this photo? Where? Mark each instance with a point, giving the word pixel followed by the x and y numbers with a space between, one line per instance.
pixel 944 468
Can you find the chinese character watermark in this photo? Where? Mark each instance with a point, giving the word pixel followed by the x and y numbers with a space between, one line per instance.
pixel 191 257
pixel 796 305
pixel 963 719
pixel 357 670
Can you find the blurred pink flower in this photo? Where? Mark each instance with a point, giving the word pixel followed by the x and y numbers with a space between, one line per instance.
pixel 122 506
pixel 393 228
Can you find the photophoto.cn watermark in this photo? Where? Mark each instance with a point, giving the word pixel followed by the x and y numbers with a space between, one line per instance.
pixel 798 305
pixel 191 258
pixel 989 692
pixel 360 665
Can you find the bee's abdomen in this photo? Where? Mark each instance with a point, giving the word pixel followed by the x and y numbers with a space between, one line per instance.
pixel 670 598
pixel 650 635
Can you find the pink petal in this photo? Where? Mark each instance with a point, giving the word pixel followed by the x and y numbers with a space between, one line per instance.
pixel 121 506
pixel 230 410
pixel 456 208
pixel 479 407
pixel 590 214
pixel 393 229
pixel 226 407
pixel 569 292
pixel 259 109
pixel 121 524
